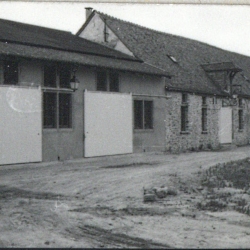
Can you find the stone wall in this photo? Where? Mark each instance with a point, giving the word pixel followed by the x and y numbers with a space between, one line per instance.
pixel 193 139
pixel 241 137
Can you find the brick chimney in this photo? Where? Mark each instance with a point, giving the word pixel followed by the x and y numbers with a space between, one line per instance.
pixel 88 12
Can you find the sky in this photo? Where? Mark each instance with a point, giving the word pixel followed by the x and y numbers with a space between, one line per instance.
pixel 224 26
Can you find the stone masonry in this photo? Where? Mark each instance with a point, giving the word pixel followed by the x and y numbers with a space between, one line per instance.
pixel 194 138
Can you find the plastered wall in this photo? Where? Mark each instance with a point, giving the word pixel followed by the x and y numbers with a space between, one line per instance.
pixel 95 32
pixel 66 144
pixel 147 139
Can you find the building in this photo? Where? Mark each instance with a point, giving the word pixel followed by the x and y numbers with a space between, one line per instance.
pixel 64 97
pixel 209 90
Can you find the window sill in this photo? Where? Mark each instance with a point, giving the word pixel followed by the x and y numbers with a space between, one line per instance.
pixel 55 130
pixel 184 132
pixel 204 132
pixel 143 130
pixel 240 130
pixel 65 129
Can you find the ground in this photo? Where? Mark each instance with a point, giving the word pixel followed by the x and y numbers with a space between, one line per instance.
pixel 98 202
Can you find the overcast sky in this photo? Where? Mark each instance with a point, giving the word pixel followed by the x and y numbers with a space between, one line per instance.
pixel 224 26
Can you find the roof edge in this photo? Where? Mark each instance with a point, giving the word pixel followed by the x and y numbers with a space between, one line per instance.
pixel 85 23
pixel 73 51
pixel 174 89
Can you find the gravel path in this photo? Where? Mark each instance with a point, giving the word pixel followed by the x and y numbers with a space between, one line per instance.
pixel 43 204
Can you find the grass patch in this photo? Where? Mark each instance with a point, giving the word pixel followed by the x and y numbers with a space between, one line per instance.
pixel 233 174
pixel 228 185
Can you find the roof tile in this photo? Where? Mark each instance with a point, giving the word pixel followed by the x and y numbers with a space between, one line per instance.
pixel 154 47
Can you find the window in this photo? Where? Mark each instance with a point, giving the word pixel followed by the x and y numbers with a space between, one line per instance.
pixel 204 115
pixel 65 112
pixel 214 100
pixel 184 113
pixel 241 123
pixel 64 76
pixel 143 114
pixel 107 81
pixel 49 76
pixel 204 119
pixel 184 118
pixel 49 110
pixel 101 79
pixel 10 69
pixel 172 58
pixel 184 98
pixel 240 113
pixel 113 82
pixel 204 100
pixel 57 104
pixel 138 114
pixel 240 103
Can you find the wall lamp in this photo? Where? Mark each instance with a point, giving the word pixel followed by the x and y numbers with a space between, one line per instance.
pixel 74 82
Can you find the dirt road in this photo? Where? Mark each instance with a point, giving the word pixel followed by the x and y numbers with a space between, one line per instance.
pixel 99 203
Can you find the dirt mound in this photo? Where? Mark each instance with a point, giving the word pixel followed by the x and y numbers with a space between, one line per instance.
pixel 228 187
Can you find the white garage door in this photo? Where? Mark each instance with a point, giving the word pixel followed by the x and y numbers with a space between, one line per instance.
pixel 107 123
pixel 225 131
pixel 20 125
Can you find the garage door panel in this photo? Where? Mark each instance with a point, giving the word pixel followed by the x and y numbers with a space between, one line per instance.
pixel 225 131
pixel 20 124
pixel 107 123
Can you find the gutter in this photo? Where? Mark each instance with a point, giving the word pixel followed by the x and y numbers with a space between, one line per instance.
pixel 173 89
pixel 158 96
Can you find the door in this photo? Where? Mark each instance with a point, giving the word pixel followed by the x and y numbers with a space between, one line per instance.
pixel 107 124
pixel 225 125
pixel 20 125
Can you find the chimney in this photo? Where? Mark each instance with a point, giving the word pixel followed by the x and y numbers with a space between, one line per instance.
pixel 88 12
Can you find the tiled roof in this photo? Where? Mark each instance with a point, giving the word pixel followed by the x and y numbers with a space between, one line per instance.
pixel 15 32
pixel 188 55
pixel 19 39
pixel 19 50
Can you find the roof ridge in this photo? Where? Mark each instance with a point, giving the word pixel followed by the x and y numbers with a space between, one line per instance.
pixel 35 26
pixel 135 24
pixel 168 34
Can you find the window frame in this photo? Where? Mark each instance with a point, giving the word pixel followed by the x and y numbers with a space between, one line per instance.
pixel 108 74
pixel 58 91
pixel 143 128
pixel 240 115
pixel 204 116
pixel 184 114
pixel 9 61
pixel 54 123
